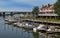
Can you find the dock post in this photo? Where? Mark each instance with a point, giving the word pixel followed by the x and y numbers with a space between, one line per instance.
pixel 46 25
pixel 42 17
pixel 46 18
pixel 55 17
pixel 50 17
pixel 3 14
pixel 11 13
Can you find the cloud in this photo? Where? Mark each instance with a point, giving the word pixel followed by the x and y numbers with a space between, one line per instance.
pixel 23 5
pixel 15 9
pixel 35 2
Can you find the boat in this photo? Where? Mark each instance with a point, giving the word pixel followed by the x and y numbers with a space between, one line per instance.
pixel 10 19
pixel 15 24
pixel 53 30
pixel 29 25
pixel 18 24
pixel 21 25
pixel 25 25
pixel 41 27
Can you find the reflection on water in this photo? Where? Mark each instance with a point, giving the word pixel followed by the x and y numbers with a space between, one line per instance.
pixel 9 31
pixel 36 35
pixel 50 35
pixel 54 36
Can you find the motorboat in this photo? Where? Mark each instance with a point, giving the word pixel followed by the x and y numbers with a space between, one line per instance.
pixel 29 25
pixel 41 27
pixel 53 29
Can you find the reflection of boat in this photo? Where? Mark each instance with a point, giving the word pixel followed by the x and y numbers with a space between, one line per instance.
pixel 45 35
pixel 35 34
pixel 27 30
pixel 41 27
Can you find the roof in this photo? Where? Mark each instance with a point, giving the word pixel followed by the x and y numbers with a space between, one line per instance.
pixel 47 7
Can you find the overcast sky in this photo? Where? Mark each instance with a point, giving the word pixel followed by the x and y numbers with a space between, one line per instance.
pixel 22 5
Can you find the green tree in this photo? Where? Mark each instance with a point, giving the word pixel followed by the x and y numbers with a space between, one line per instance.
pixel 35 11
pixel 57 7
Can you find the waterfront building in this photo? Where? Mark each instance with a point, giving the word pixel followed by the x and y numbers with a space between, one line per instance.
pixel 47 11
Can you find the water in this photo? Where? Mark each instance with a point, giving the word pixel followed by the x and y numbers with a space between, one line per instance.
pixel 9 31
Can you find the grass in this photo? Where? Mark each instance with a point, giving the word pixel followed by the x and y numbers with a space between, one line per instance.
pixel 43 19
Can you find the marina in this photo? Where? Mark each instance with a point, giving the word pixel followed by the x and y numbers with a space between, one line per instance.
pixel 17 32
pixel 30 19
pixel 35 26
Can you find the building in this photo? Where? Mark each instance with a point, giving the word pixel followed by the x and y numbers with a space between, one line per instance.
pixel 47 11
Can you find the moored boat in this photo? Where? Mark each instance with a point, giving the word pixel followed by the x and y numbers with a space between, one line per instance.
pixel 41 27
pixel 53 29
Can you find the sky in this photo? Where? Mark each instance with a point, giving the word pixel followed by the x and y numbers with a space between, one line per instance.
pixel 22 5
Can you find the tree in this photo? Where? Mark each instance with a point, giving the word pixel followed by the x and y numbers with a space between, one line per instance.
pixel 57 7
pixel 35 11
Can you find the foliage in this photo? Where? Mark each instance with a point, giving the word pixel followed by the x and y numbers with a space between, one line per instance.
pixel 35 10
pixel 57 8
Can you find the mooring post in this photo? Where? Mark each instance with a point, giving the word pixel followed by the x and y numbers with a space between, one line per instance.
pixel 3 14
pixel 11 13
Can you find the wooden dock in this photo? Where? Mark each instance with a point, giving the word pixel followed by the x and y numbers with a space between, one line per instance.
pixel 53 32
pixel 44 22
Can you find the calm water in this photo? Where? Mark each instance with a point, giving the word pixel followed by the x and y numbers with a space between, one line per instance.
pixel 9 31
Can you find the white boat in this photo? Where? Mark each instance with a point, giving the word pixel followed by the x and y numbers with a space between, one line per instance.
pixel 41 27
pixel 18 24
pixel 52 29
pixel 21 25
pixel 10 19
pixel 29 25
pixel 6 19
pixel 24 25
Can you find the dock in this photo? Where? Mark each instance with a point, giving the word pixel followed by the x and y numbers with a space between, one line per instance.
pixel 44 22
pixel 26 25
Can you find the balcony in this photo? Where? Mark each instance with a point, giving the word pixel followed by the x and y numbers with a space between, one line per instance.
pixel 47 14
